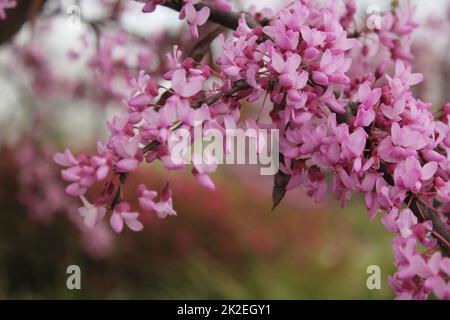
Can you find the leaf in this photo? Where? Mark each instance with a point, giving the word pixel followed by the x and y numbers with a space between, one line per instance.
pixel 281 180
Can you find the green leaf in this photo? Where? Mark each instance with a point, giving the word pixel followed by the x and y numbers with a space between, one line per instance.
pixel 281 180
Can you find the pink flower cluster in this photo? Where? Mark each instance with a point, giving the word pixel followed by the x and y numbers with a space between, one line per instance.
pixel 43 198
pixel 35 172
pixel 418 275
pixel 368 132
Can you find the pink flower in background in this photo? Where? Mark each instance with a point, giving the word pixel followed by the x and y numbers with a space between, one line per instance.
pixel 286 68
pixel 368 98
pixel 82 172
pixel 332 69
pixel 158 123
pixel 150 5
pixel 405 222
pixel 127 149
pixel 409 174
pixel 195 18
pixel 284 38
pixel 65 159
pixel 146 197
pixel 439 286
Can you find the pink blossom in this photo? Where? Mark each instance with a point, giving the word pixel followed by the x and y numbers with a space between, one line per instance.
pixel 121 215
pixel 82 172
pixel 223 5
pixel 150 5
pixel 195 18
pixel 145 197
pixel 91 214
pixel 164 207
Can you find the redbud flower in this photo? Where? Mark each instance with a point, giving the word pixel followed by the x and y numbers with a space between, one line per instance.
pixel 91 214
pixel 121 215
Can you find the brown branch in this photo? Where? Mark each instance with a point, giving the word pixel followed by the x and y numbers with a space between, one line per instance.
pixel 117 197
pixel 226 19
pixel 239 85
pixel 18 16
pixel 423 213
pixel 231 21
pixel 440 230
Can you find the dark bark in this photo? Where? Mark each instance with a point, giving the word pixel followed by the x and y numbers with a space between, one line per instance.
pixel 15 18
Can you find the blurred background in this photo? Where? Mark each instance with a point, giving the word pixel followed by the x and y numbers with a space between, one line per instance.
pixel 57 88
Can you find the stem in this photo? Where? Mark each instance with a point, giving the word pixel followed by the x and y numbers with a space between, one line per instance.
pixel 424 213
pixel 237 86
pixel 18 16
pixel 118 195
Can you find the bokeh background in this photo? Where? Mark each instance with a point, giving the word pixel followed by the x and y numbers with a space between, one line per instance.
pixel 222 245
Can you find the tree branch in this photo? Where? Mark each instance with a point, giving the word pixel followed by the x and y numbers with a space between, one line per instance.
pixel 239 85
pixel 231 20
pixel 440 230
pixel 18 16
